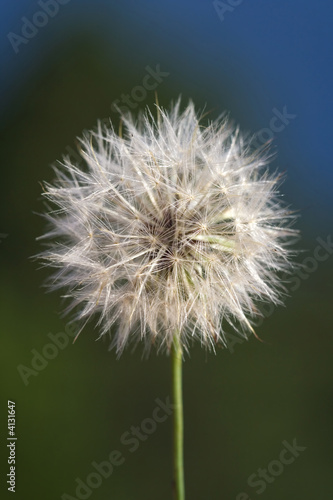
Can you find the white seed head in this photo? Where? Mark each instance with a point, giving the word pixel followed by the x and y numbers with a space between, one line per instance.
pixel 171 229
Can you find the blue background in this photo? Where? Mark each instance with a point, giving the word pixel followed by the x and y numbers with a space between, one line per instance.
pixel 257 57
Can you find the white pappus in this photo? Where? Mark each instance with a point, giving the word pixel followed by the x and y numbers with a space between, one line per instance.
pixel 170 228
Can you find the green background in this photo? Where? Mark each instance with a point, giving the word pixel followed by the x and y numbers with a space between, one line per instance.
pixel 239 406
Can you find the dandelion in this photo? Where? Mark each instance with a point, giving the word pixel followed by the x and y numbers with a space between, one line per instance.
pixel 171 233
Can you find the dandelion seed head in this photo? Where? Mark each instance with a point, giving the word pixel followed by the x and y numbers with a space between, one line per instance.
pixel 173 228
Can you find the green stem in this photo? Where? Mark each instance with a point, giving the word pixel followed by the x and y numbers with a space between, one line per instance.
pixel 178 426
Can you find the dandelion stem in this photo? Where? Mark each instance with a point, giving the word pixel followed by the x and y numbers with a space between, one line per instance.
pixel 178 430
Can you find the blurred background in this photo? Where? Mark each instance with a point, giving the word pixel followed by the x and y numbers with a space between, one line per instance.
pixel 67 63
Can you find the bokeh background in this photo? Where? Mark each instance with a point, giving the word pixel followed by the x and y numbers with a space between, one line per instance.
pixel 253 59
